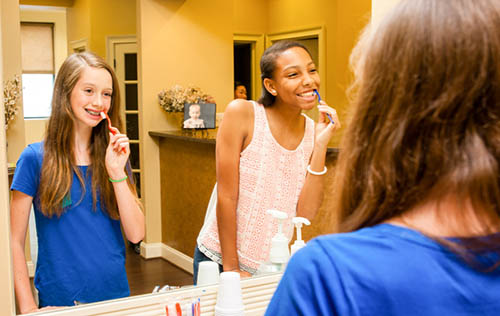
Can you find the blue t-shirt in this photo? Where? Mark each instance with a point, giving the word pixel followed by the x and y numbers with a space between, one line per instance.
pixel 81 254
pixel 383 270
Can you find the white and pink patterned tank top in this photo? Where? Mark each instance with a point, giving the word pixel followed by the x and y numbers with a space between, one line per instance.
pixel 270 177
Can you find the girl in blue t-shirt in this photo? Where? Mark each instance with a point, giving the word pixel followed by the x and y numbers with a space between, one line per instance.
pixel 78 184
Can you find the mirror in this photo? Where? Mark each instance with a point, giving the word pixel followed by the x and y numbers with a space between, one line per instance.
pixel 179 40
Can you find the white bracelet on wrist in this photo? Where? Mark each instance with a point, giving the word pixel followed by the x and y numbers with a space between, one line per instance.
pixel 315 172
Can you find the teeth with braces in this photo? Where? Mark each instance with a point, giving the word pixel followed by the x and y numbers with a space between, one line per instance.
pixel 307 94
pixel 93 112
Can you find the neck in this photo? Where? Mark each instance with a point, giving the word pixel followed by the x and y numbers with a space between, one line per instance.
pixel 285 112
pixel 448 217
pixel 81 142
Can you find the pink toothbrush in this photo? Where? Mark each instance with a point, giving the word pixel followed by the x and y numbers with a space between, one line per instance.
pixel 105 116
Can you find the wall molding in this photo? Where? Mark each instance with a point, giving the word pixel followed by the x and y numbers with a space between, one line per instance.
pixel 160 250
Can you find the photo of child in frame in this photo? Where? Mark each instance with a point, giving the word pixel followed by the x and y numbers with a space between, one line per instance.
pixel 199 115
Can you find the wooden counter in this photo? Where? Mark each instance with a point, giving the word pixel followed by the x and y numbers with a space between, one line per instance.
pixel 187 170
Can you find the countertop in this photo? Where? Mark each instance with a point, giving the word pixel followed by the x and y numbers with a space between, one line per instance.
pixel 204 136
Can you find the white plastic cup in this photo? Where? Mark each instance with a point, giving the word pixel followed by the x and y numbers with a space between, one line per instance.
pixel 208 273
pixel 229 299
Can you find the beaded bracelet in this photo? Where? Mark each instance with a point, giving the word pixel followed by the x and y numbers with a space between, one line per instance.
pixel 118 180
pixel 315 172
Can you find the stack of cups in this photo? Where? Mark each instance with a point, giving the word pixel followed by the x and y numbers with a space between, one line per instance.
pixel 229 299
pixel 208 273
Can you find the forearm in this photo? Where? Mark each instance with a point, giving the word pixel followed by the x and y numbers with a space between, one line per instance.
pixel 311 196
pixel 226 222
pixel 131 216
pixel 22 285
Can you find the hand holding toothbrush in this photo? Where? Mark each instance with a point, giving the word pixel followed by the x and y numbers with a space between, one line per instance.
pixel 117 152
pixel 328 122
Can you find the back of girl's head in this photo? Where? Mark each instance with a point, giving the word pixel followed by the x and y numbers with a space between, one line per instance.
pixel 268 65
pixel 426 112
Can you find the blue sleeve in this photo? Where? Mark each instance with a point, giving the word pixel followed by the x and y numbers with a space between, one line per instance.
pixel 308 285
pixel 27 175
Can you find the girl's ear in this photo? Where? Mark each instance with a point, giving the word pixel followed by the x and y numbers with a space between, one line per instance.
pixel 269 85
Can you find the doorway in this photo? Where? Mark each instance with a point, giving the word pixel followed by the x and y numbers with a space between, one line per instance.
pixel 123 53
pixel 243 66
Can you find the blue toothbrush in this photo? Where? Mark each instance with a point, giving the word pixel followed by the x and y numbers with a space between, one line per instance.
pixel 319 100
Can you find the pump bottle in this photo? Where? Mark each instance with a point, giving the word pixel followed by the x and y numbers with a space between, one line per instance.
pixel 299 243
pixel 279 253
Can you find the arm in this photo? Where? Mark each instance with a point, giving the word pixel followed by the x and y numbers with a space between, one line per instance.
pixel 131 216
pixel 231 139
pixel 20 208
pixel 311 196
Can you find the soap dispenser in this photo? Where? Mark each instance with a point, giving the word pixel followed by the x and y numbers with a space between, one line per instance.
pixel 279 252
pixel 299 243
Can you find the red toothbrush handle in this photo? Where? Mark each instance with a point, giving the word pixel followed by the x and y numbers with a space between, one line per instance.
pixel 112 131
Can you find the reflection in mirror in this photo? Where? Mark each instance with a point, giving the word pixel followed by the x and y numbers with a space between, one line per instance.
pixel 186 163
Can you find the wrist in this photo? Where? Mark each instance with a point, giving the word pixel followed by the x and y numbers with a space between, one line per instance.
pixel 117 175
pixel 320 146
pixel 28 309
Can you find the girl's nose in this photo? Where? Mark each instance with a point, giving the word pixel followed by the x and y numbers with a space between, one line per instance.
pixel 308 80
pixel 98 101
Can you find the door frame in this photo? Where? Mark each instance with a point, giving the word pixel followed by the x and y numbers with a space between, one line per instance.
pixel 257 49
pixel 111 41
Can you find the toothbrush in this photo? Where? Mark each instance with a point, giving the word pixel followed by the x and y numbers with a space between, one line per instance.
pixel 105 116
pixel 319 100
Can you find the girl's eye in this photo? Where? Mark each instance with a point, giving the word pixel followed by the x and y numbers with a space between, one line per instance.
pixel 88 91
pixel 107 94
pixel 313 70
pixel 291 75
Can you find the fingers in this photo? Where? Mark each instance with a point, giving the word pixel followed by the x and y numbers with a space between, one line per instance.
pixel 119 142
pixel 244 274
pixel 328 115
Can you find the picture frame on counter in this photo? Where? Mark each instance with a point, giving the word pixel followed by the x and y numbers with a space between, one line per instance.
pixel 199 116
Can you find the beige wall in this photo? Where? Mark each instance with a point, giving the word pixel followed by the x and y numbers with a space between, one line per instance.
pixel 94 20
pixel 110 18
pixel 55 3
pixel 180 42
pixel 78 22
pixel 12 66
pixel 250 17
pixel 7 288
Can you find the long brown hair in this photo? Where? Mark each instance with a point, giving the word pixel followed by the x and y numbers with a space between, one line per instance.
pixel 426 120
pixel 59 157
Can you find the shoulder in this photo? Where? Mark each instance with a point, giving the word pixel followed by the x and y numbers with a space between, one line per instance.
pixel 32 152
pixel 240 108
pixel 238 117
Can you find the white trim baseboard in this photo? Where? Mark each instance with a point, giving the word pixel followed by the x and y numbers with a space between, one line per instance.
pixel 160 250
